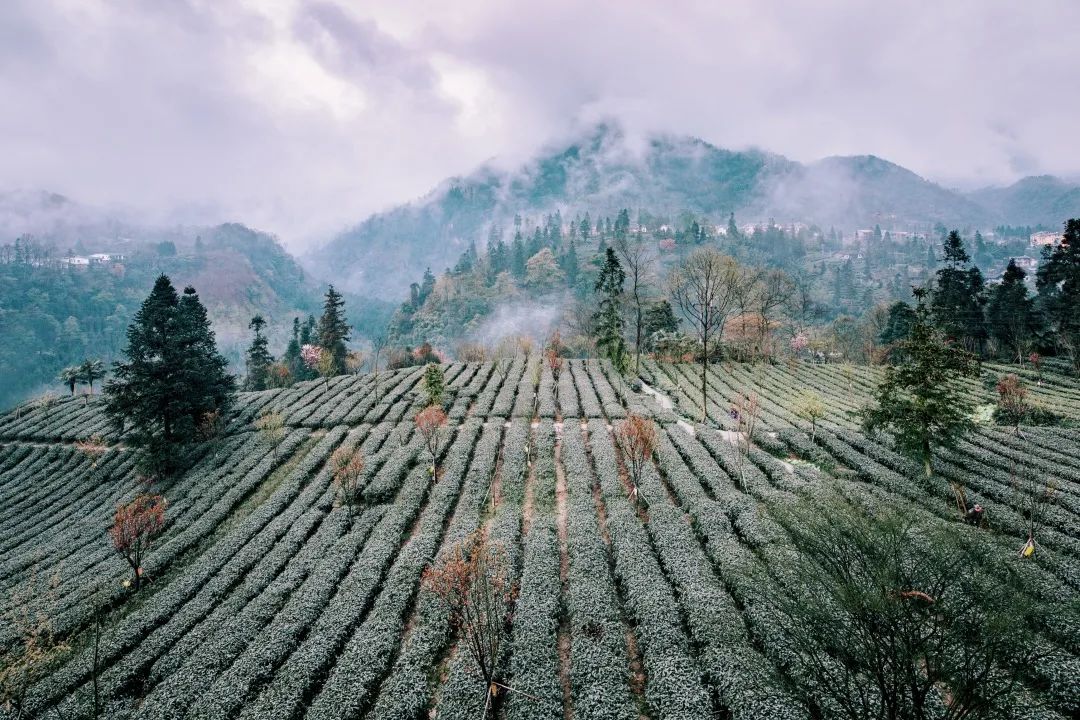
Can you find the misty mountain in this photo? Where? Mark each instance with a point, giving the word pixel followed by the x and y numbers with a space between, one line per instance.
pixel 606 170
pixel 1039 200
pixel 51 215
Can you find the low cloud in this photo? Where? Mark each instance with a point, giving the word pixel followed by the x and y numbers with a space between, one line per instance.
pixel 536 320
pixel 303 117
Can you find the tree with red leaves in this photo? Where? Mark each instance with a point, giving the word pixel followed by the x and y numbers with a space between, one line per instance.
pixel 430 421
pixel 136 524
pixel 636 437
pixel 472 580
pixel 347 466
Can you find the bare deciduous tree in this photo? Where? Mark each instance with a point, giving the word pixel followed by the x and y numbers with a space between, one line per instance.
pixel 378 344
pixel 430 422
pixel 472 580
pixel 636 437
pixel 92 447
pixel 346 467
pixel 898 616
pixel 639 260
pixel 704 287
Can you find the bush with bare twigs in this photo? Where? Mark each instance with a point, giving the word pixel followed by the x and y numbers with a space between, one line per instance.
pixel 430 422
pixel 347 467
pixel 636 437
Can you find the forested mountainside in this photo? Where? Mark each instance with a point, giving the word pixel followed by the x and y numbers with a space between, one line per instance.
pixel 66 299
pixel 669 175
pixel 1032 201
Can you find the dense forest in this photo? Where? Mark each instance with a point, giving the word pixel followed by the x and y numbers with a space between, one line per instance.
pixel 55 313
pixel 833 287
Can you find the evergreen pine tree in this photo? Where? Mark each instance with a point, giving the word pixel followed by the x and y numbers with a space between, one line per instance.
pixel 920 402
pixel 1011 317
pixel 958 297
pixel 517 257
pixel 608 318
pixel 898 326
pixel 733 229
pixel 259 358
pixel 622 224
pixel 536 244
pixel 426 287
pixel 207 376
pixel 292 359
pixel 570 265
pixel 172 379
pixel 334 331
pixel 306 329
pixel 1058 285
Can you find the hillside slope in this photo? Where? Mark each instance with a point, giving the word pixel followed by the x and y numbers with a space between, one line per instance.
pixel 53 314
pixel 1042 200
pixel 605 171
pixel 266 599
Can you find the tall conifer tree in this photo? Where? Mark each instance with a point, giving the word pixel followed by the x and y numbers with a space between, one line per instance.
pixel 1058 283
pixel 259 358
pixel 172 379
pixel 920 401
pixel 959 296
pixel 334 331
pixel 1011 317
pixel 608 318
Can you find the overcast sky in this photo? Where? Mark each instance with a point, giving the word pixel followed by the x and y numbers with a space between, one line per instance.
pixel 302 117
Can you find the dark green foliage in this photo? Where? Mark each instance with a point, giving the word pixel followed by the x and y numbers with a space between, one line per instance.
pixel 898 326
pixel 173 378
pixel 334 331
pixel 259 358
pixel 518 256
pixel 659 317
pixel 878 612
pixel 53 315
pixel 427 286
pixel 608 318
pixel 920 401
pixel 1058 284
pixel 91 370
pixel 297 369
pixel 569 264
pixel 70 377
pixel 435 384
pixel 1011 317
pixel 958 297
pixel 844 284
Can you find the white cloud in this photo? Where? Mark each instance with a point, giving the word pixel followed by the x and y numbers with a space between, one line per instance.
pixel 302 117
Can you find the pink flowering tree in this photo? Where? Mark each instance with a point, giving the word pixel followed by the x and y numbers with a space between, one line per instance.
pixel 311 354
pixel 799 343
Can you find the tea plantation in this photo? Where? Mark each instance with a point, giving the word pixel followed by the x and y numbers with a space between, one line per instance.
pixel 266 598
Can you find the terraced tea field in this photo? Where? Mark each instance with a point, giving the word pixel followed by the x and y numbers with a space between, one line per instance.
pixel 267 600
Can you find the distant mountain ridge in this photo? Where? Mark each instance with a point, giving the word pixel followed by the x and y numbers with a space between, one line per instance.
pixel 603 172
